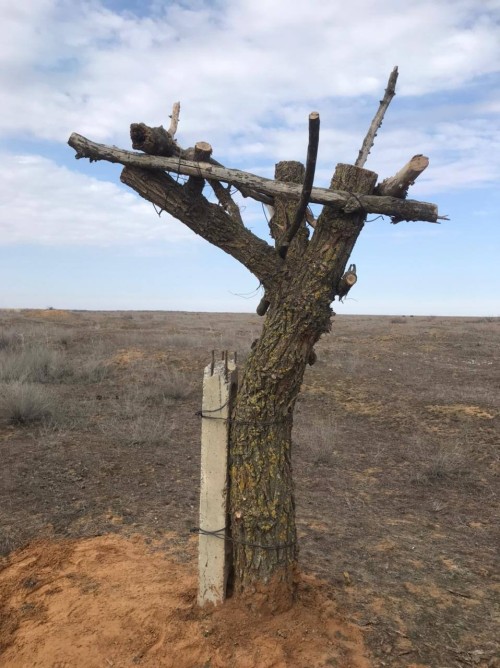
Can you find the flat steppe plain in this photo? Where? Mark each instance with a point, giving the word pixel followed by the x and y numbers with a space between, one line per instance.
pixel 396 459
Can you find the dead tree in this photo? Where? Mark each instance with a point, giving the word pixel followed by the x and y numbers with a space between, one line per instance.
pixel 301 273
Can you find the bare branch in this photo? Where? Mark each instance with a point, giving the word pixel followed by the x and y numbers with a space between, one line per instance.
pixel 246 192
pixel 336 199
pixel 312 154
pixel 311 220
pixel 397 185
pixel 390 92
pixel 226 201
pixel 200 153
pixel 174 118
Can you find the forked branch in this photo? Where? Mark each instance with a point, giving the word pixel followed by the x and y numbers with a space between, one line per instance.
pixel 200 153
pixel 390 92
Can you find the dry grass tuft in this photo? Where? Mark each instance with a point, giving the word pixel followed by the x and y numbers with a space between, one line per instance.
pixel 33 364
pixel 319 440
pixel 27 403
pixel 439 463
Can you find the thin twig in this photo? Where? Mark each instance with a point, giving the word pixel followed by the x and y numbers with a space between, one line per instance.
pixel 459 593
pixel 174 118
pixel 390 92
pixel 312 154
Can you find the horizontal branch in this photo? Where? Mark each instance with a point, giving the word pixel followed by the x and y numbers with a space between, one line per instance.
pixel 348 202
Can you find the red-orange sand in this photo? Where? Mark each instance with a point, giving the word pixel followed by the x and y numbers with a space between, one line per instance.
pixel 112 601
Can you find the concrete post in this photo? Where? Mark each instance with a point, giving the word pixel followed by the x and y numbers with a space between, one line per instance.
pixel 219 386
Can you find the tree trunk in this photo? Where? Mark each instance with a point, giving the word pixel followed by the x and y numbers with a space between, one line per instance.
pixel 262 506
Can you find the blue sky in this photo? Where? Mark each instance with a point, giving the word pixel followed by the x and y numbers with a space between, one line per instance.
pixel 247 73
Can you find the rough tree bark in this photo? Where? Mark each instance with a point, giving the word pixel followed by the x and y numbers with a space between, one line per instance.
pixel 301 273
pixel 261 486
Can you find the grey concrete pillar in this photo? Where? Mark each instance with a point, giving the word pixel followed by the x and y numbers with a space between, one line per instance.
pixel 219 384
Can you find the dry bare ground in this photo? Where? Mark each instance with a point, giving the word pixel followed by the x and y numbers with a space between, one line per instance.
pixel 396 465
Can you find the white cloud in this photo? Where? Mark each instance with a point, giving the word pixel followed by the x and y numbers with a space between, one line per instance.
pixel 41 202
pixel 235 65
pixel 247 72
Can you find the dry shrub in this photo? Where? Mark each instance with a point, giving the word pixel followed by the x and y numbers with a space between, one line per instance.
pixel 33 364
pixel 172 384
pixel 27 403
pixel 319 441
pixel 134 422
pixel 92 370
pixel 438 463
pixel 157 386
pixel 146 426
pixel 143 413
pixel 10 338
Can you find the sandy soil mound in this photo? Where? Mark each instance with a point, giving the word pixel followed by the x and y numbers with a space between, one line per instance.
pixel 113 601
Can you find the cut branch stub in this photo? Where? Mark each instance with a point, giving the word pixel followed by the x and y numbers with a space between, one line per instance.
pixel 336 232
pixel 347 281
pixel 397 185
pixel 263 306
pixel 154 141
pixel 200 153
pixel 286 171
